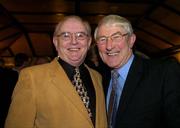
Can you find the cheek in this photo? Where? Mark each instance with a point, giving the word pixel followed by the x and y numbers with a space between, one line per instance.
pixel 101 48
pixel 85 46
pixel 123 46
pixel 62 45
pixel 62 49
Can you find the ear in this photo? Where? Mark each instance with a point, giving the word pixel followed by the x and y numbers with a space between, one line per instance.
pixel 89 42
pixel 132 40
pixel 55 42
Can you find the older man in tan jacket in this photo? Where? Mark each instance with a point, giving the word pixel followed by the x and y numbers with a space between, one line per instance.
pixel 45 96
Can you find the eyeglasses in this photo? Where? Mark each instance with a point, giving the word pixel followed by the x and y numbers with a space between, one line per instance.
pixel 116 37
pixel 67 36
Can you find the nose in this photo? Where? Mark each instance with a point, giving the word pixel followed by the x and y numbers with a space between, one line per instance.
pixel 73 39
pixel 109 44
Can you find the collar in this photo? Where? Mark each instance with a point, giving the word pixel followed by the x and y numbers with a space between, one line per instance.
pixel 69 69
pixel 123 71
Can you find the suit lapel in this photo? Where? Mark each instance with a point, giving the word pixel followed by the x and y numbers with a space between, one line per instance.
pixel 130 85
pixel 100 103
pixel 63 84
pixel 106 75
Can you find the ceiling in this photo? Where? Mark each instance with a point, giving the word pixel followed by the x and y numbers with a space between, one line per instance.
pixel 27 25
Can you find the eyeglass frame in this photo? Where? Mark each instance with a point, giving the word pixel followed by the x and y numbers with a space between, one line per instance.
pixel 77 37
pixel 111 37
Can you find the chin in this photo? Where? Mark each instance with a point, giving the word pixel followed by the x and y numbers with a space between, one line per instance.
pixel 112 65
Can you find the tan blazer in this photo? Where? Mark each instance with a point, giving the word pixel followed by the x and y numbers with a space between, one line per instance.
pixel 45 98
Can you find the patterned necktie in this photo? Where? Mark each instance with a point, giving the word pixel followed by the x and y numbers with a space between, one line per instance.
pixel 81 90
pixel 112 108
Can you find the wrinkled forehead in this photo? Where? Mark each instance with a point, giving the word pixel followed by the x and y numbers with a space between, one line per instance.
pixel 113 24
pixel 72 25
pixel 109 28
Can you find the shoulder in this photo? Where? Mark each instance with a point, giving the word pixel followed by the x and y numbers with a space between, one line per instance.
pixel 171 66
pixel 156 62
pixel 160 66
pixel 164 63
pixel 53 65
pixel 40 70
pixel 155 66
pixel 35 68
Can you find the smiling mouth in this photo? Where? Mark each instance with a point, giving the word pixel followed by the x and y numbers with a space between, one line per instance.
pixel 73 49
pixel 112 54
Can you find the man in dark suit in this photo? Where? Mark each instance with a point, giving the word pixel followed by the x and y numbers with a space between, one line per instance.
pixel 147 93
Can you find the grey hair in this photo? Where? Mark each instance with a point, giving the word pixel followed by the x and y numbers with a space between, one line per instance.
pixel 85 23
pixel 114 20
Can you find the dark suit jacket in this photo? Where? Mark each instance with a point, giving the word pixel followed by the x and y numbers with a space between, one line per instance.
pixel 151 95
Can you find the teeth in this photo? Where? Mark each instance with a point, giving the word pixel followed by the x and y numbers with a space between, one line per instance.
pixel 112 54
pixel 74 49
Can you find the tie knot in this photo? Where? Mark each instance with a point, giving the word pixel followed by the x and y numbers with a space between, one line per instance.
pixel 77 70
pixel 76 73
pixel 114 74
